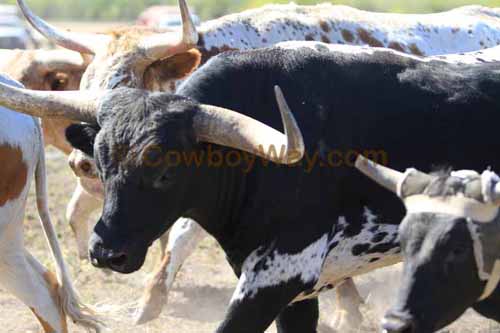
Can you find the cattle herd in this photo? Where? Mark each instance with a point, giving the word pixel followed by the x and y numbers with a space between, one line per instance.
pixel 279 131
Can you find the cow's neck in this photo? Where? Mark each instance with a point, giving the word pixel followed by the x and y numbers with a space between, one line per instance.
pixel 219 199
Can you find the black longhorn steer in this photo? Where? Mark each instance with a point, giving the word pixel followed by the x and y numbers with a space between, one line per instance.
pixel 288 231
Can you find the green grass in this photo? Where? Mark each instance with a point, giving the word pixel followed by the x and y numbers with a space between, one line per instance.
pixel 130 9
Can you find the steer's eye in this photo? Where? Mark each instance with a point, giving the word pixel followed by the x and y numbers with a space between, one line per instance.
pixel 58 81
pixel 59 85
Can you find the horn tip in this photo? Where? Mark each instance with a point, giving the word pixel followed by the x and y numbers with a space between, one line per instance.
pixel 280 97
pixel 361 162
pixel 277 90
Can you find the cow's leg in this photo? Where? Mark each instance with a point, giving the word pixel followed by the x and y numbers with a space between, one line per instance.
pixel 347 315
pixel 300 317
pixel 163 244
pixel 270 280
pixel 24 277
pixel 183 238
pixel 78 212
pixel 255 312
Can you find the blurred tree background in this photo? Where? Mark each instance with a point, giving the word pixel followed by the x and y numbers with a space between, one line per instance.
pixel 126 10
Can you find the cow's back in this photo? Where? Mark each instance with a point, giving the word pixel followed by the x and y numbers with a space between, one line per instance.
pixel 416 112
pixel 460 30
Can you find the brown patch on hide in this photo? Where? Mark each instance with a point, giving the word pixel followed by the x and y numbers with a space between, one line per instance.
pixel 396 46
pixel 415 50
pixel 126 39
pixel 53 287
pixel 181 65
pixel 368 38
pixel 207 54
pixel 171 69
pixel 347 35
pixel 160 276
pixel 324 26
pixel 45 326
pixel 155 293
pixel 13 173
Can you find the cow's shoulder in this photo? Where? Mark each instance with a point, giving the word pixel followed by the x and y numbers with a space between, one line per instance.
pixel 17 130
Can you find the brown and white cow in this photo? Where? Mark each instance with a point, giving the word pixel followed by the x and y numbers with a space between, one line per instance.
pixel 156 60
pixel 51 298
pixel 54 70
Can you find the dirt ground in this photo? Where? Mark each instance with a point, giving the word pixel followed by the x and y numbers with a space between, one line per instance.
pixel 201 291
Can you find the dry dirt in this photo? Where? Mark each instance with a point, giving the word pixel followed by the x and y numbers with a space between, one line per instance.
pixel 201 291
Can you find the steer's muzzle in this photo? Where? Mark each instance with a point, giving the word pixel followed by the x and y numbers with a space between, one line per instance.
pixel 122 261
pixel 398 322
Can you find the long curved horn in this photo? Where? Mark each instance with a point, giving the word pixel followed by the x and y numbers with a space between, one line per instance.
pixel 73 105
pixel 60 60
pixel 79 42
pixel 228 128
pixel 163 45
pixel 384 176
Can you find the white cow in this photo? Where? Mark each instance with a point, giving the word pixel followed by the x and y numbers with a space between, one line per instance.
pixel 51 298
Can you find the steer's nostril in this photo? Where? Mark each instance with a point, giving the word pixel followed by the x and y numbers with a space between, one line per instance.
pixel 410 329
pixel 118 261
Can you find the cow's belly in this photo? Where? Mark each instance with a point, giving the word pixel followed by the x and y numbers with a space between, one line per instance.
pixel 375 246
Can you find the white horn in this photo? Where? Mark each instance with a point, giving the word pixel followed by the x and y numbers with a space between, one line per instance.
pixel 79 42
pixel 164 45
pixel 232 129
pixel 384 176
pixel 73 105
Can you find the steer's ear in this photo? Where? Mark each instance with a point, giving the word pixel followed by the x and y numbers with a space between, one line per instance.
pixel 82 137
pixel 180 65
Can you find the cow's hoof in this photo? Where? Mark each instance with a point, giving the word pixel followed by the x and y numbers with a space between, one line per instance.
pixel 152 302
pixel 83 256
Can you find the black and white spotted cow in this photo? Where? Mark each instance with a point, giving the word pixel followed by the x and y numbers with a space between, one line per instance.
pixel 450 240
pixel 288 231
pixel 186 234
